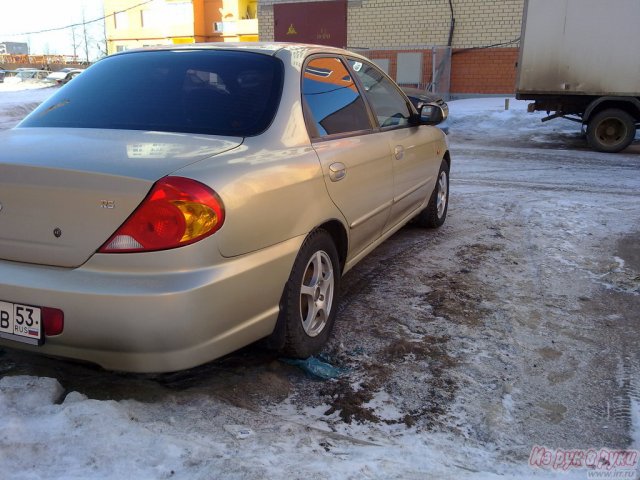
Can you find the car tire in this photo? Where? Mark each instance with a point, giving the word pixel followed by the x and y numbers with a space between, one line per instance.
pixel 611 130
pixel 308 305
pixel 436 212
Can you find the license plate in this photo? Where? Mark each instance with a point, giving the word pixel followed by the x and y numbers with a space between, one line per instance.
pixel 21 323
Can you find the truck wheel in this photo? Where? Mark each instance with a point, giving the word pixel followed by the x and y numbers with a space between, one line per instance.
pixel 611 130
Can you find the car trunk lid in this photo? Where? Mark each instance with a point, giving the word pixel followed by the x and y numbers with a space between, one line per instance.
pixel 64 192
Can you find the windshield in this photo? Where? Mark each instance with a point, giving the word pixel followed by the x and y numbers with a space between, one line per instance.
pixel 26 74
pixel 194 91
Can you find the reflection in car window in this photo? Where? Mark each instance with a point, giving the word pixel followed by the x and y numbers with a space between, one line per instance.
pixel 388 104
pixel 192 91
pixel 331 96
pixel 203 79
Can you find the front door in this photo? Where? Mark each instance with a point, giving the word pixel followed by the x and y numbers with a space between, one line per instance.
pixel 414 157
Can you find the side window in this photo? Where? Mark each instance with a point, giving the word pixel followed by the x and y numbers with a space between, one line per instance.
pixel 332 99
pixel 388 104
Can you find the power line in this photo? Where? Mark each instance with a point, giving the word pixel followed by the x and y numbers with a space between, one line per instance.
pixel 75 24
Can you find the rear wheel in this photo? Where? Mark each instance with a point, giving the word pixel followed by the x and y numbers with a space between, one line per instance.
pixel 611 130
pixel 308 306
pixel 436 212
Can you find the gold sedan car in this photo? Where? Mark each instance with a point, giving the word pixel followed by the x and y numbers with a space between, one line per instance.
pixel 211 197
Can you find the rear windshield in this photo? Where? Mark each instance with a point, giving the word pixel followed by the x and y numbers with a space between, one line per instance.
pixel 193 91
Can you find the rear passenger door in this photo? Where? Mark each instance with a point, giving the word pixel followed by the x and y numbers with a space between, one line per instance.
pixel 414 155
pixel 356 162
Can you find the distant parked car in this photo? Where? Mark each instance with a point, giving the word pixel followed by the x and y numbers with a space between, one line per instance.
pixel 422 97
pixel 30 74
pixel 2 74
pixel 63 76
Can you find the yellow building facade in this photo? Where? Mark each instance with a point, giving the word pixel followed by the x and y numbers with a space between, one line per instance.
pixel 134 24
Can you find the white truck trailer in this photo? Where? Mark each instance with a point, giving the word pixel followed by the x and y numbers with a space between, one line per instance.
pixel 580 60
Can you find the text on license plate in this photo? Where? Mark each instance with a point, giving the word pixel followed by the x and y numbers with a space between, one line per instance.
pixel 20 322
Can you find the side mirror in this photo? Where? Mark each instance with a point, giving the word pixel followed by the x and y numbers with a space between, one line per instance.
pixel 431 114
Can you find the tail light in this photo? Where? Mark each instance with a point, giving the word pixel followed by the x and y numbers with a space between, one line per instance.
pixel 53 321
pixel 177 211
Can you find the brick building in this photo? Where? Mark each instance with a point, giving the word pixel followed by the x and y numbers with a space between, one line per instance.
pixel 400 35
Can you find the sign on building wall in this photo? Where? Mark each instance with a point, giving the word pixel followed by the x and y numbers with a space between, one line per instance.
pixel 324 23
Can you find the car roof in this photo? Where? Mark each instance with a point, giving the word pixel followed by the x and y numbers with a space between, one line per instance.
pixel 265 48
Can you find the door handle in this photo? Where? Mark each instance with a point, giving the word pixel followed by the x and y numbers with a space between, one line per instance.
pixel 398 152
pixel 337 171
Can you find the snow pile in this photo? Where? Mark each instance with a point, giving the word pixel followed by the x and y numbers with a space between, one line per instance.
pixel 14 84
pixel 478 114
pixel 486 118
pixel 18 99
pixel 79 438
pixel 43 435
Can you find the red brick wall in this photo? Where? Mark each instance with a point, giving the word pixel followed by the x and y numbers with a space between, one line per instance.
pixel 482 71
pixel 491 70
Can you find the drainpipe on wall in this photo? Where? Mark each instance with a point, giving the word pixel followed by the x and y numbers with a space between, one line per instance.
pixel 432 87
pixel 453 24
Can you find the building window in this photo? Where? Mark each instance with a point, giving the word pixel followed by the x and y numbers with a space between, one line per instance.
pixel 120 48
pixel 121 20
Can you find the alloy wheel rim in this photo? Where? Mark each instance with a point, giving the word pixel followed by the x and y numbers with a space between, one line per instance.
pixel 441 198
pixel 316 293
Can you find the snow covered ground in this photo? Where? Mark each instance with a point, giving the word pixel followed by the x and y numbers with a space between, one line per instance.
pixel 19 98
pixel 514 325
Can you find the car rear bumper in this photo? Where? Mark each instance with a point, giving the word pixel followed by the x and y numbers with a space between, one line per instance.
pixel 149 321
